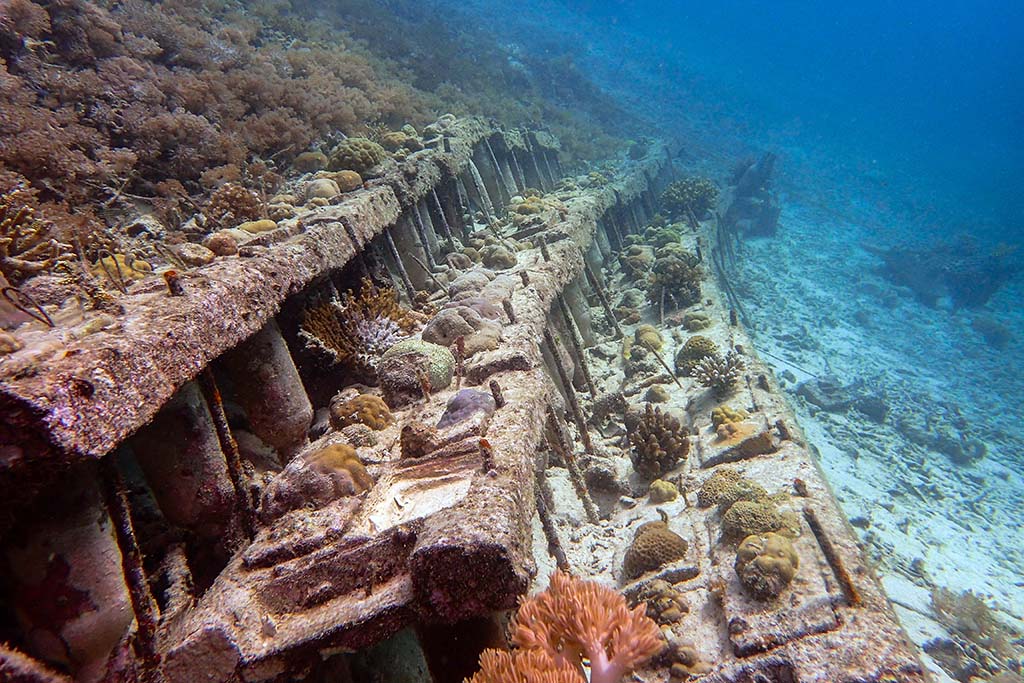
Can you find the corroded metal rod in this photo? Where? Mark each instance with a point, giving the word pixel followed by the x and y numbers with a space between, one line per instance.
pixel 211 392
pixel 577 343
pixel 421 232
pixel 542 494
pixel 143 604
pixel 559 445
pixel 410 291
pixel 570 392
pixel 599 290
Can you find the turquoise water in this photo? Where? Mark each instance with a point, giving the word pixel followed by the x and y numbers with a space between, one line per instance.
pixel 894 126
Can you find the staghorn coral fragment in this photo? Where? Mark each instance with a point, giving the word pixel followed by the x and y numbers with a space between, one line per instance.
pixel 27 245
pixel 766 564
pixel 659 441
pixel 654 545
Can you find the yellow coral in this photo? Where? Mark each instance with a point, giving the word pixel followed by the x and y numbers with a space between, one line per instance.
pixel 121 269
pixel 342 457
pixel 648 337
pixel 724 415
pixel 662 491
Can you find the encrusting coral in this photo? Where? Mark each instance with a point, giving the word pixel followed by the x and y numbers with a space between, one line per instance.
pixel 662 491
pixel 365 409
pixel 314 480
pixel 665 604
pixel 654 545
pixel 766 564
pixel 571 622
pixel 749 517
pixel 719 373
pixel 356 329
pixel 690 195
pixel 694 350
pixel 659 441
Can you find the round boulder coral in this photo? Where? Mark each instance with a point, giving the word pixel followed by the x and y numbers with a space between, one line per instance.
pixel 411 367
pixel 365 409
pixel 748 517
pixel 766 564
pixel 654 545
pixel 694 350
pixel 356 154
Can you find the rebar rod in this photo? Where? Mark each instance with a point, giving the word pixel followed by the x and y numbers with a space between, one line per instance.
pixel 577 343
pixel 599 290
pixel 232 457
pixel 558 444
pixel 143 605
pixel 570 392
pixel 410 291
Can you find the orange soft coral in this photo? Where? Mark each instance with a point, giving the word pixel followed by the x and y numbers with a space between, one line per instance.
pixel 522 666
pixel 575 621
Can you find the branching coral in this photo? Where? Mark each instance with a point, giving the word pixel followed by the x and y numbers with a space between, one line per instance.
pixel 356 329
pixel 718 373
pixel 690 195
pixel 27 245
pixel 675 277
pixel 573 622
pixel 659 441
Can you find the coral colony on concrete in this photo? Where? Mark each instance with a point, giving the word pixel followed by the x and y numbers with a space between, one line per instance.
pixel 348 342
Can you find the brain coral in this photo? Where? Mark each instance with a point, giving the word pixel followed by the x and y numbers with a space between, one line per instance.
pixel 654 545
pixel 696 348
pixel 365 409
pixel 356 154
pixel 766 564
pixel 748 517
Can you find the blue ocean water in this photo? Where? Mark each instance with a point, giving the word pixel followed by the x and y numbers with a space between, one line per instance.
pixel 896 125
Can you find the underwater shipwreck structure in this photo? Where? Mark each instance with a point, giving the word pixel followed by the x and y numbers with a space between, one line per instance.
pixel 186 496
